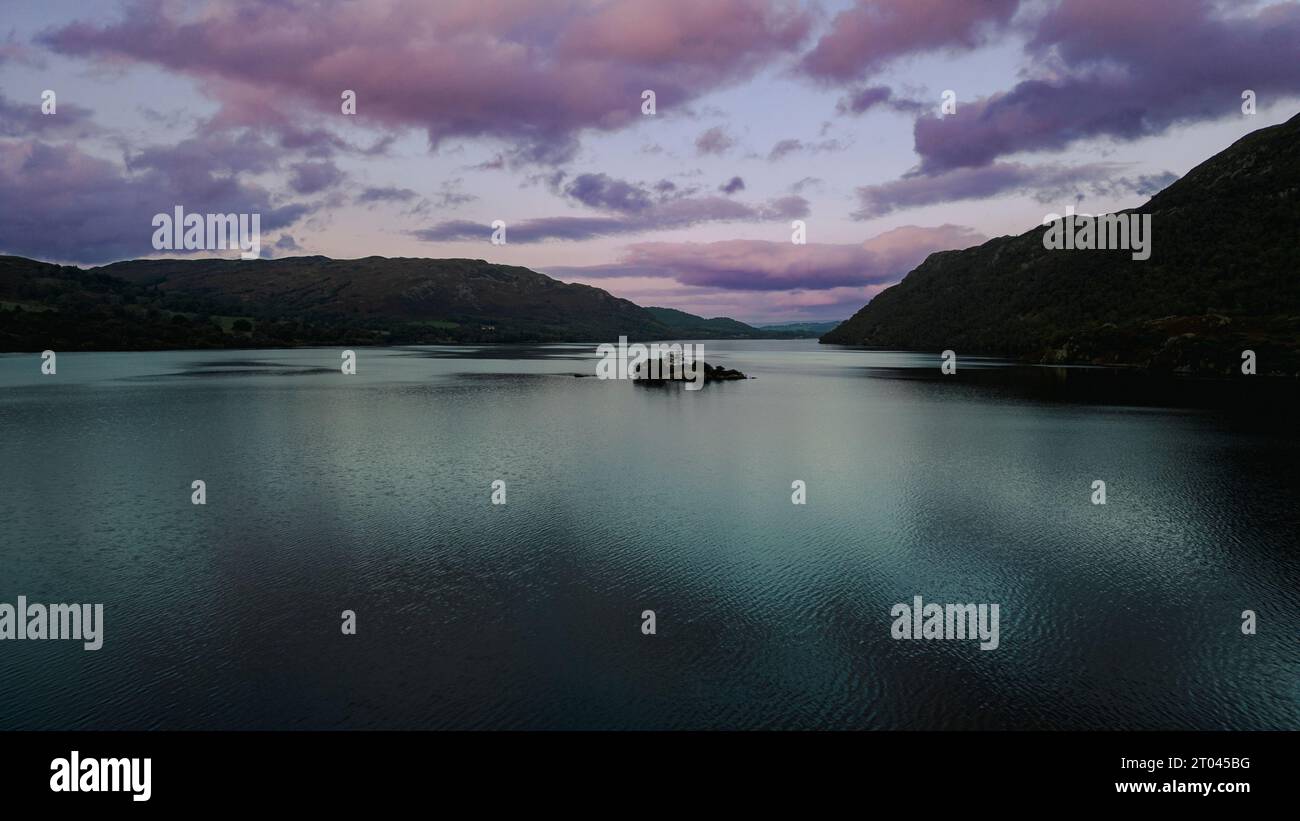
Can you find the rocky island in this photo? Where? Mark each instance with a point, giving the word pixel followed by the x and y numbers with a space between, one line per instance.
pixel 671 369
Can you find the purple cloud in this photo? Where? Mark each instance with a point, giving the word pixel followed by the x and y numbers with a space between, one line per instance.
pixel 314 177
pixel 756 265
pixel 286 243
pixel 864 99
pixel 386 194
pixel 606 193
pixel 70 121
pixel 440 66
pixel 787 147
pixel 1046 183
pixel 80 208
pixel 669 214
pixel 1116 80
pixel 862 39
pixel 715 140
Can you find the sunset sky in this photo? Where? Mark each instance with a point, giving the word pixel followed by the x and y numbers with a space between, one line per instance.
pixel 530 112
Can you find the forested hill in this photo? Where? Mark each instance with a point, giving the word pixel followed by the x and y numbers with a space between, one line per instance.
pixel 1223 276
pixel 207 303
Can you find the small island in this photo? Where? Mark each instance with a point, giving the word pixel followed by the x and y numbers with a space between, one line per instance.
pixel 670 369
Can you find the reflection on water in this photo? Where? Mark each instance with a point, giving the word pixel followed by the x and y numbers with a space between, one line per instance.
pixel 371 493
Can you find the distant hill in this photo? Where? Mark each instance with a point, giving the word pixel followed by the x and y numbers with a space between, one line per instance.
pixel 685 324
pixel 806 329
pixel 206 303
pixel 1223 276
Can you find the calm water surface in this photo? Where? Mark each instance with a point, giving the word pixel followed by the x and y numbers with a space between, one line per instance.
pixel 371 493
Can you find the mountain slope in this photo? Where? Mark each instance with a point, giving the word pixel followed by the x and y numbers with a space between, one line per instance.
pixel 460 292
pixel 806 328
pixel 1222 277
pixel 165 303
pixel 684 324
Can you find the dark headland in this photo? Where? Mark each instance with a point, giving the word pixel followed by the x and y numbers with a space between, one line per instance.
pixel 1223 277
pixel 159 304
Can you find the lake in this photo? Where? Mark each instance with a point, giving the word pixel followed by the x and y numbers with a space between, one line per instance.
pixel 372 493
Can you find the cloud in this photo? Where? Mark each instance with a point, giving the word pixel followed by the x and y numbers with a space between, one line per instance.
pixel 629 208
pixel 318 143
pixel 1104 74
pixel 1045 182
pixel 806 183
pixel 1145 185
pixel 864 99
pixel 785 148
pixel 1095 71
pixel 314 177
pixel 386 194
pixel 19 53
pixel 714 141
pixel 862 39
pixel 81 208
pixel 757 265
pixel 286 243
pixel 70 121
pixel 606 193
pixel 676 213
pixel 786 208
pixel 450 196
pixel 533 74
pixel 200 158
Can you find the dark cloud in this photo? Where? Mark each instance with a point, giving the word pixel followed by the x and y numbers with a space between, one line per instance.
pixel 864 99
pixel 1116 79
pixel 715 140
pixel 732 185
pixel 386 194
pixel 608 194
pixel 81 208
pixel 314 177
pixel 287 243
pixel 69 120
pixel 209 155
pixel 1046 183
pixel 320 143
pixel 786 208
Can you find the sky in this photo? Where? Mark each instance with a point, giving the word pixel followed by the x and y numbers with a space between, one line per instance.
pixel 532 112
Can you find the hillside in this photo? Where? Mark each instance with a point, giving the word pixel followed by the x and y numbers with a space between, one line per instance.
pixel 805 328
pixel 721 327
pixel 204 303
pixel 1222 277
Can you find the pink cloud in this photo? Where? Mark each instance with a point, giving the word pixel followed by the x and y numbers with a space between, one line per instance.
pixel 532 72
pixel 862 39
pixel 758 265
